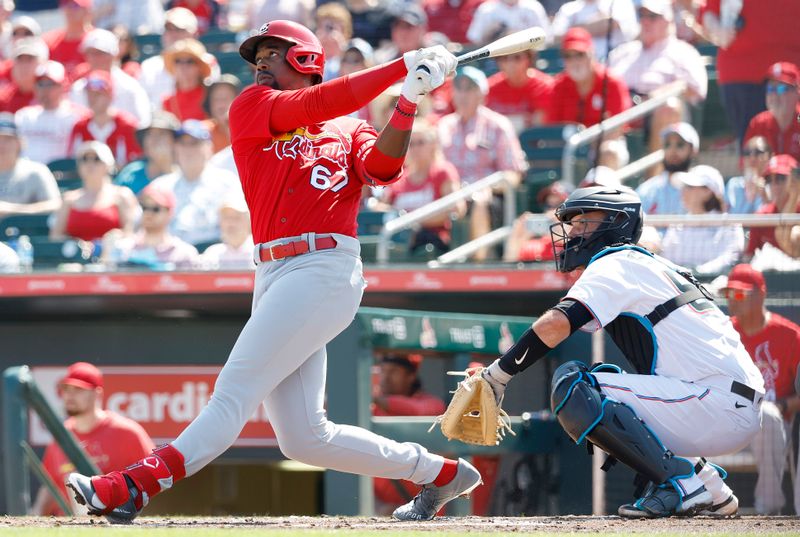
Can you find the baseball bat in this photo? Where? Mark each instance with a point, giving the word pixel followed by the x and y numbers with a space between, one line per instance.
pixel 510 44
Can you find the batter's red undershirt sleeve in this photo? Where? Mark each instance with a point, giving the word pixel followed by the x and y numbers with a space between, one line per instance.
pixel 329 100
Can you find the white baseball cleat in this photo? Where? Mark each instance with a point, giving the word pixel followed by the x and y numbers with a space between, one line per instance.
pixel 729 507
pixel 431 498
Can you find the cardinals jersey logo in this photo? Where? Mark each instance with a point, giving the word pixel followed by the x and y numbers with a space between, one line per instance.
pixel 311 148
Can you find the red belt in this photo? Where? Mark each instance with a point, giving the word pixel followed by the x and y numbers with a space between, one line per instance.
pixel 291 249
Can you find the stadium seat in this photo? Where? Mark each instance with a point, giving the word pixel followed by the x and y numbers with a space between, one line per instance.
pixel 217 40
pixel 544 147
pixel 230 62
pixel 549 61
pixel 50 254
pixel 65 171
pixel 148 44
pixel 33 225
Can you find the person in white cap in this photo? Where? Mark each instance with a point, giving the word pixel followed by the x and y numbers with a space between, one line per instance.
pixel 28 54
pixel 595 16
pixel 45 128
pixel 706 249
pixel 235 251
pixel 495 18
pixel 179 23
pixel 101 49
pixel 140 16
pixel 99 206
pixel 661 194
pixel 658 58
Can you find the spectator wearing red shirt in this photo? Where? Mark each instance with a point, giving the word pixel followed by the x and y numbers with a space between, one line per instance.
pixel 399 393
pixel 750 40
pixel 780 122
pixel 105 123
pixel 187 60
pixel 427 177
pixel 774 344
pixel 520 91
pixel 65 43
pixel 782 193
pixel 451 17
pixel 18 91
pixel 578 91
pixel 206 11
pixel 111 441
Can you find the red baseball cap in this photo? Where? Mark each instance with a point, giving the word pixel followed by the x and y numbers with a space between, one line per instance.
pixel 83 375
pixel 780 165
pixel 577 39
pixel 99 80
pixel 744 277
pixel 785 72
pixel 80 3
pixel 163 196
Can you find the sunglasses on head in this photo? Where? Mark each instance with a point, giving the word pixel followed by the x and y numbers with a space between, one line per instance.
pixel 154 209
pixel 753 152
pixel 779 88
pixel 88 158
pixel 735 294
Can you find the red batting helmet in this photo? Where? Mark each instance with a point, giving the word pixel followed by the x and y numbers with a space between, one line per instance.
pixel 305 55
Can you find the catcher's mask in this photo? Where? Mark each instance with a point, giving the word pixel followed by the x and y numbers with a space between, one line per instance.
pixel 576 243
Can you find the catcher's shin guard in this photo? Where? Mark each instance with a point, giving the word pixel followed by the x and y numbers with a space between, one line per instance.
pixel 584 412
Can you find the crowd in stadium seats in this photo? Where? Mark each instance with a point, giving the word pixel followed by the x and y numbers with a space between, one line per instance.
pixel 122 94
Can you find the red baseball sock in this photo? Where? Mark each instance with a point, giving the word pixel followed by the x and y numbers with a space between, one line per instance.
pixel 447 473
pixel 151 475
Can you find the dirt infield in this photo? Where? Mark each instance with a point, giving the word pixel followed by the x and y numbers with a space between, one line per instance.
pixel 562 524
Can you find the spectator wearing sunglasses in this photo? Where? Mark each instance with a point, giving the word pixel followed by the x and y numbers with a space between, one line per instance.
pixel 779 122
pixel 782 192
pixel 702 193
pixel 152 246
pixel 774 344
pixel 661 194
pixel 190 64
pixel 98 206
pixel 45 127
pixel 115 128
pixel 585 92
pixel 519 91
pixel 745 194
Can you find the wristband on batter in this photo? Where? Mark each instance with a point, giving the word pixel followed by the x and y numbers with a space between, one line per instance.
pixel 403 116
pixel 526 351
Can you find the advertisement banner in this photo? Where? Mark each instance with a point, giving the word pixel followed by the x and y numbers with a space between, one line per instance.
pixel 162 399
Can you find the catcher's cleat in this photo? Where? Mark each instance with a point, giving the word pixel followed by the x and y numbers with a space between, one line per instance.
pixel 729 507
pixel 85 494
pixel 431 498
pixel 664 501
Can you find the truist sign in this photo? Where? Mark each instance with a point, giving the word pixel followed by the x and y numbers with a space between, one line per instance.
pixel 163 399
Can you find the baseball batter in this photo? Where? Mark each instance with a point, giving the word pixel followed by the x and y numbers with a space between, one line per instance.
pixel 696 392
pixel 302 166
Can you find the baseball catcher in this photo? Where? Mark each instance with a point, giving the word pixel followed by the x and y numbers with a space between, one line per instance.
pixel 695 391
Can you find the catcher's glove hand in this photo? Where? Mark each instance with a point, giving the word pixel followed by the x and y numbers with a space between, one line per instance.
pixel 474 416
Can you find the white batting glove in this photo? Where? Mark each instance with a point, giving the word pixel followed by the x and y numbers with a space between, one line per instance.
pixel 437 53
pixel 425 76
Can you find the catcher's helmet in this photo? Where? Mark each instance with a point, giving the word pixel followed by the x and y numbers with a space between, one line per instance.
pixel 621 224
pixel 305 55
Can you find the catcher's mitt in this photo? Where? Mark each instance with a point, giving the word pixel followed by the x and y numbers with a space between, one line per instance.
pixel 473 416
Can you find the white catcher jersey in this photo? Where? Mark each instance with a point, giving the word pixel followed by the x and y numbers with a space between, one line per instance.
pixel 693 342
